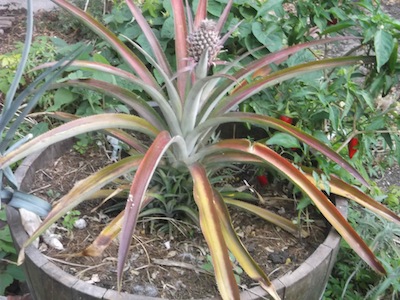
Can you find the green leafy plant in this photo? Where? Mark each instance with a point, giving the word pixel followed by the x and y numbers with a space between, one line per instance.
pixel 12 117
pixel 365 111
pixel 11 63
pixel 393 198
pixel 8 62
pixel 238 271
pixel 41 51
pixel 9 271
pixel 194 96
pixel 70 218
pixel 350 277
pixel 172 201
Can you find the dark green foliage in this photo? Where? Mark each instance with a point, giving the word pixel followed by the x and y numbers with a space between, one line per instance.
pixel 9 271
pixel 351 278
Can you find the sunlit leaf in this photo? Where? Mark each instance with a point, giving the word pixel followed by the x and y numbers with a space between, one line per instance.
pixel 339 187
pixel 211 228
pixel 383 42
pixel 76 127
pixel 269 216
pixel 238 249
pixel 82 191
pixel 137 193
pixel 330 212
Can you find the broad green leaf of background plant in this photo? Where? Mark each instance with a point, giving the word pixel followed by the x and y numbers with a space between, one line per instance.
pixel 6 243
pixel 284 140
pixel 5 280
pixel 384 44
pixel 16 272
pixel 62 97
pixel 268 35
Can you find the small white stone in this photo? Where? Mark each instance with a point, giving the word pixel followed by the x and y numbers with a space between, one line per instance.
pixel 80 224
pixel 43 247
pixel 172 254
pixel 53 241
pixel 167 245
pixel 95 278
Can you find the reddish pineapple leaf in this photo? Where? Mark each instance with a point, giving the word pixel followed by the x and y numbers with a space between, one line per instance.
pixel 266 121
pixel 212 231
pixel 238 250
pixel 181 33
pixel 261 153
pixel 150 36
pixel 75 127
pixel 130 58
pixel 137 194
pixel 82 191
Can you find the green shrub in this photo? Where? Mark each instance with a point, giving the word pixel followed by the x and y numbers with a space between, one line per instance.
pixel 9 271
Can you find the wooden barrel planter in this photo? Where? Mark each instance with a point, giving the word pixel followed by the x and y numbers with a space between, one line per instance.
pixel 46 281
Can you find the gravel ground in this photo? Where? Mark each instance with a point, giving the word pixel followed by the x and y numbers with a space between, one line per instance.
pixel 390 177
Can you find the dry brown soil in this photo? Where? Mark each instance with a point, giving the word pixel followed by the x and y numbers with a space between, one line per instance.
pixel 155 269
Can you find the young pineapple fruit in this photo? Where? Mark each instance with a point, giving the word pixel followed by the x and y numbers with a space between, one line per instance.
pixel 204 38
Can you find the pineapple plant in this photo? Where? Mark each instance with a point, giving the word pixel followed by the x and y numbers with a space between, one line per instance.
pixel 192 104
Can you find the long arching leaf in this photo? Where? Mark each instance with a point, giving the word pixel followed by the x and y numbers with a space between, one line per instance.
pixel 135 102
pixel 274 78
pixel 339 187
pixel 266 121
pixel 171 108
pixel 257 68
pixel 239 250
pixel 212 231
pixel 76 127
pixel 121 135
pixel 326 207
pixel 109 233
pixel 130 58
pixel 82 191
pixel 269 216
pixel 137 193
pixel 106 236
pixel 150 36
pixel 181 33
